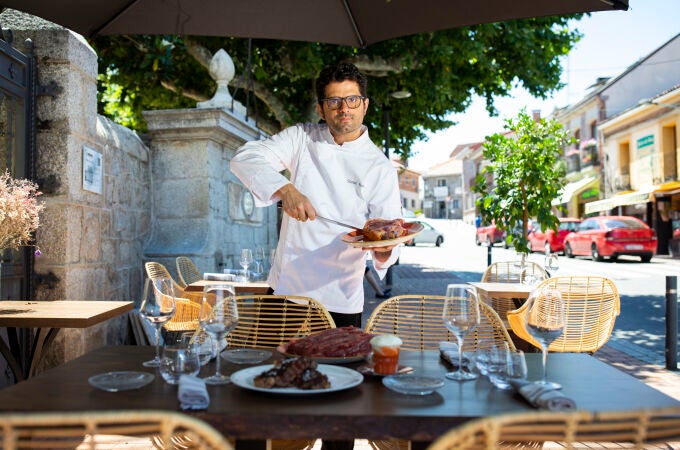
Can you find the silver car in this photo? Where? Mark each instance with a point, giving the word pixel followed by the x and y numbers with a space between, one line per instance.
pixel 429 235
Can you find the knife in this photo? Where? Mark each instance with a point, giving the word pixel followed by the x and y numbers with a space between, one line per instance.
pixel 352 227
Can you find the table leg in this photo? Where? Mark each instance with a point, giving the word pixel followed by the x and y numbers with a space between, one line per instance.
pixel 42 339
pixel 11 361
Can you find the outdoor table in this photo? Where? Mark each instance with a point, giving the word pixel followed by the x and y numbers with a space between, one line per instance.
pixel 250 287
pixel 502 290
pixel 369 410
pixel 47 318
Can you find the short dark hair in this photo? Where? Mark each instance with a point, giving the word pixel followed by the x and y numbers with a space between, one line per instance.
pixel 340 72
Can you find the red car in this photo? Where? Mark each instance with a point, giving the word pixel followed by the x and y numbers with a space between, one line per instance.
pixel 611 236
pixel 490 235
pixel 549 241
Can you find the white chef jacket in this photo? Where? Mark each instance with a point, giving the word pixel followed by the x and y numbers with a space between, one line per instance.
pixel 350 183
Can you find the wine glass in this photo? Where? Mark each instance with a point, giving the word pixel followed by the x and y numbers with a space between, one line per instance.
pixel 460 315
pixel 552 263
pixel 246 260
pixel 259 260
pixel 545 321
pixel 158 306
pixel 218 316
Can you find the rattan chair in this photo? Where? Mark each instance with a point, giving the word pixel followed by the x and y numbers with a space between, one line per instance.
pixel 187 271
pixel 108 429
pixel 268 321
pixel 509 272
pixel 187 309
pixel 637 429
pixel 417 320
pixel 591 306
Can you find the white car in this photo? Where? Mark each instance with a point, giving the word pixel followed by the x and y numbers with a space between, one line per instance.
pixel 429 235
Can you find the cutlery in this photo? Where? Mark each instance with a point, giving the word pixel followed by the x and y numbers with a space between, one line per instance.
pixel 352 227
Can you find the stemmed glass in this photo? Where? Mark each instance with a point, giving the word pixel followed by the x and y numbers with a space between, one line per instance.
pixel 158 306
pixel 545 321
pixel 551 263
pixel 259 260
pixel 218 316
pixel 461 315
pixel 246 260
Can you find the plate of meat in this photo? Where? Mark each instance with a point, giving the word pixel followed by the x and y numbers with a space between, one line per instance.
pixel 382 232
pixel 333 346
pixel 297 376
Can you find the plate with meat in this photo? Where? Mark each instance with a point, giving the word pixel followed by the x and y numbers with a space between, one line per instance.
pixel 297 376
pixel 383 232
pixel 333 346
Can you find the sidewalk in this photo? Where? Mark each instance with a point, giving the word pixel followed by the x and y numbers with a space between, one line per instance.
pixel 412 278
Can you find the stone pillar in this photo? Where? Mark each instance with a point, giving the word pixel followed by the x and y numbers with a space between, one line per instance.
pixel 197 207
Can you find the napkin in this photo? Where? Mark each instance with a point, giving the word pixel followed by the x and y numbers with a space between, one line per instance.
pixel 192 393
pixel 449 353
pixel 543 397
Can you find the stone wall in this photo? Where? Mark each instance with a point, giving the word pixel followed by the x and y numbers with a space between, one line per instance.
pixel 175 197
pixel 91 243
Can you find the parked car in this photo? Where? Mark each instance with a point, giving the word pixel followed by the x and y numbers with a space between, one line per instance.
pixel 549 241
pixel 490 235
pixel 429 235
pixel 611 236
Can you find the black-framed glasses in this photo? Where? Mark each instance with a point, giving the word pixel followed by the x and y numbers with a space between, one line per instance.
pixel 353 101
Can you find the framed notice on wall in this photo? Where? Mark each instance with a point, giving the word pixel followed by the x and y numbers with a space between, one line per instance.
pixel 92 170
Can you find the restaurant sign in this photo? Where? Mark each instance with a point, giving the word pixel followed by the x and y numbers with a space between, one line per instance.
pixel 590 193
pixel 645 146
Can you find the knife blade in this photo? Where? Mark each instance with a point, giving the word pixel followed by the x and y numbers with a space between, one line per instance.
pixel 352 227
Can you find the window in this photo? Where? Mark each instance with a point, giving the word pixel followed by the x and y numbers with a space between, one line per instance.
pixel 441 182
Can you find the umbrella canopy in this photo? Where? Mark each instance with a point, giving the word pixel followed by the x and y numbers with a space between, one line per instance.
pixel 346 22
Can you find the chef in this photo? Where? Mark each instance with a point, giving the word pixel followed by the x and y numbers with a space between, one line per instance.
pixel 335 171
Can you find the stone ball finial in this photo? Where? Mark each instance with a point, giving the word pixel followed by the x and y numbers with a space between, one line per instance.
pixel 222 67
pixel 222 71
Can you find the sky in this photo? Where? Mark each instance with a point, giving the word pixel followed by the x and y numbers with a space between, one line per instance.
pixel 612 41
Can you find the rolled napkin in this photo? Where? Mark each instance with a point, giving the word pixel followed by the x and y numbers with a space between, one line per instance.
pixel 543 397
pixel 449 353
pixel 192 393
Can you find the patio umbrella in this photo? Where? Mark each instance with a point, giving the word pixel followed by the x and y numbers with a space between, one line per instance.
pixel 346 22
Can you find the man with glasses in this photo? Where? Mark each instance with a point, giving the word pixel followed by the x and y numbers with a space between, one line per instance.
pixel 337 172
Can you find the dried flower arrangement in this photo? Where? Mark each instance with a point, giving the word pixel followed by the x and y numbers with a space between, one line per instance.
pixel 19 211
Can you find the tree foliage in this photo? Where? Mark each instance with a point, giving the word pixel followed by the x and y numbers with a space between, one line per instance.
pixel 443 70
pixel 524 174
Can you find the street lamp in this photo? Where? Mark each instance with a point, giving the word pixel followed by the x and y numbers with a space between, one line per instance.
pixel 386 110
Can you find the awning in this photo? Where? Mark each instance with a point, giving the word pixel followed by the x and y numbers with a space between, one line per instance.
pixel 575 188
pixel 631 198
pixel 666 189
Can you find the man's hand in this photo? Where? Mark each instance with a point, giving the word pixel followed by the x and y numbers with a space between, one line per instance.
pixel 295 204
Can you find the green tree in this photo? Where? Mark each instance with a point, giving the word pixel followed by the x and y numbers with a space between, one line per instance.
pixel 524 174
pixel 443 70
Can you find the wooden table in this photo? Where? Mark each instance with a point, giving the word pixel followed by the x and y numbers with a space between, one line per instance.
pixel 251 287
pixel 503 290
pixel 368 411
pixel 47 317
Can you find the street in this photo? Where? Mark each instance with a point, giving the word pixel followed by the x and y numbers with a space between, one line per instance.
pixel 640 329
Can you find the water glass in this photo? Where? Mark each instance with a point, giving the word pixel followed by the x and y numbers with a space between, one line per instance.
pixel 201 343
pixel 496 364
pixel 176 361
pixel 517 366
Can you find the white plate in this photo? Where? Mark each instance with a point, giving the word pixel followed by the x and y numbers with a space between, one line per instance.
pixel 120 381
pixel 356 239
pixel 341 378
pixel 246 355
pixel 412 384
pixel 323 359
